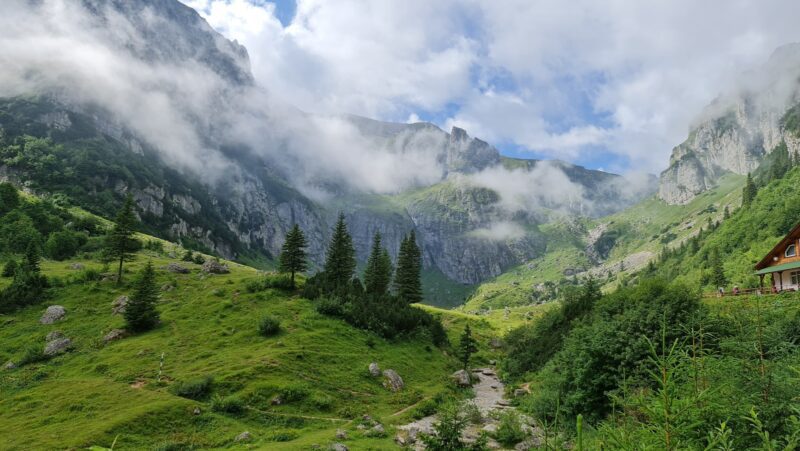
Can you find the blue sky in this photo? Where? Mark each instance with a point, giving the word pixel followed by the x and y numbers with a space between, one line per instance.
pixel 610 85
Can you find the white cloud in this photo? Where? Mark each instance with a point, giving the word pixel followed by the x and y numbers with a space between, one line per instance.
pixel 522 72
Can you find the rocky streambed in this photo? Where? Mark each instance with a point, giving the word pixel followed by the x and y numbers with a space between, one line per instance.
pixel 490 400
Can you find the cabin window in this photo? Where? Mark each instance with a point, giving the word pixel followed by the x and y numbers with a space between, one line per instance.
pixel 795 277
pixel 791 251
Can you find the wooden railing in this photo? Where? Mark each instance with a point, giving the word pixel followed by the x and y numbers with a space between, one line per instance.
pixel 742 292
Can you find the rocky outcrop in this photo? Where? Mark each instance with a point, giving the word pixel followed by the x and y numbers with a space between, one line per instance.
pixel 392 380
pixel 737 130
pixel 215 267
pixel 57 346
pixel 119 305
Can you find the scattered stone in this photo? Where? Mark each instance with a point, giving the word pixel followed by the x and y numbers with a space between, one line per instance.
pixel 503 402
pixel 490 428
pixel 367 418
pixel 177 268
pixel 531 443
pixel 338 447
pixel 461 378
pixel 392 380
pixel 378 430
pixel 243 437
pixel 496 343
pixel 115 334
pixel 487 372
pixel 493 386
pixel 167 287
pixel 196 411
pixel 341 434
pixel 520 392
pixel 215 267
pixel 374 369
pixel 52 314
pixel 57 346
pixel 276 401
pixel 76 266
pixel 119 304
pixel 54 335
pixel 361 427
pixel 10 365
pixel 492 362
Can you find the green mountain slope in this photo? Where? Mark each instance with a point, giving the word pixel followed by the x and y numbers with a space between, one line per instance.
pixel 96 392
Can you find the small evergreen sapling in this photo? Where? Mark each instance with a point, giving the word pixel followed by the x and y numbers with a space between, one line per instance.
pixel 293 253
pixel 466 347
pixel 140 313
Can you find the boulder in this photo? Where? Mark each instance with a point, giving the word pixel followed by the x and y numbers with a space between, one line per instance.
pixel 54 335
pixel 52 314
pixel 57 346
pixel 341 434
pixel 338 447
pixel 196 411
pixel 177 268
pixel 215 267
pixel 76 266
pixel 115 334
pixel 277 400
pixel 243 437
pixel 392 380
pixel 461 378
pixel 119 304
pixel 374 369
pixel 10 365
pixel 378 430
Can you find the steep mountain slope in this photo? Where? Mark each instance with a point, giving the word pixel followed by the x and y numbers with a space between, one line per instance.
pixel 178 122
pixel 736 131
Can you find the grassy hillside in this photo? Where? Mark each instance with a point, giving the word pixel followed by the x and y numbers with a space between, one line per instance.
pixel 633 237
pixel 96 392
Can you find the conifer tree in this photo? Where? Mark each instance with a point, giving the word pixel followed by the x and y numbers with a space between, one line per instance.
pixel 409 265
pixel 28 286
pixel 293 253
pixel 749 191
pixel 466 347
pixel 10 268
pixel 781 162
pixel 140 313
pixel 340 260
pixel 32 258
pixel 378 273
pixel 120 243
pixel 717 271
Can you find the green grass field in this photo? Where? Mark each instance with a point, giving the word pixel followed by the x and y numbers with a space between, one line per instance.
pixel 318 365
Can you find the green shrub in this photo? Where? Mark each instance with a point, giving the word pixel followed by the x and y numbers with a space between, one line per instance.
pixel 63 245
pixel 293 393
pixel 197 389
pixel 283 436
pixel 509 431
pixel 321 401
pixel 10 268
pixel 228 404
pixel 33 354
pixel 424 409
pixel 269 326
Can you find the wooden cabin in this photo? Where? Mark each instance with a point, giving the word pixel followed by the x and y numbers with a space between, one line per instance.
pixel 783 263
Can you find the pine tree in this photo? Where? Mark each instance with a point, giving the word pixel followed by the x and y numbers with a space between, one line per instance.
pixel 140 313
pixel 466 347
pixel 120 242
pixel 378 273
pixel 749 191
pixel 409 266
pixel 293 253
pixel 28 286
pixel 717 271
pixel 340 260
pixel 32 258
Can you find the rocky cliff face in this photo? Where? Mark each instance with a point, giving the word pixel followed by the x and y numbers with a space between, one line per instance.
pixel 737 130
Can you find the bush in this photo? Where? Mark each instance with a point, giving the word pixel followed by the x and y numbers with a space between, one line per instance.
pixel 278 281
pixel 10 268
pixel 293 393
pixel 33 354
pixel 269 326
pixel 228 404
pixel 283 436
pixel 63 245
pixel 88 275
pixel 321 401
pixel 509 431
pixel 197 389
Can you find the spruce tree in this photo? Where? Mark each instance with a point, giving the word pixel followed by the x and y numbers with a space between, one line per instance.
pixel 749 191
pixel 780 161
pixel 293 253
pixel 28 286
pixel 409 265
pixel 340 260
pixel 140 313
pixel 466 347
pixel 378 273
pixel 120 242
pixel 717 271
